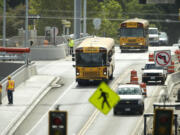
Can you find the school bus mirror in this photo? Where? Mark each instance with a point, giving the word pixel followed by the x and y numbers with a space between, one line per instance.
pixel 73 65
pixel 110 59
pixel 108 64
pixel 142 68
pixel 73 59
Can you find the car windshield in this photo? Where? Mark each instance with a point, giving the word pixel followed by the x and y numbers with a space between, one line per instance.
pixel 131 32
pixel 163 35
pixel 91 59
pixel 152 66
pixel 153 31
pixel 128 91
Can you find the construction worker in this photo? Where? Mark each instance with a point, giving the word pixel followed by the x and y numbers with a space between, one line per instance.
pixel 71 45
pixel 0 94
pixel 10 89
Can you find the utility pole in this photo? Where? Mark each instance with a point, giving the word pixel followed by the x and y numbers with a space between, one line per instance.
pixel 4 23
pixel 26 32
pixel 85 9
pixel 77 18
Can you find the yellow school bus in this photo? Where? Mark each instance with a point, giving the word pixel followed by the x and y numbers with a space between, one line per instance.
pixel 134 35
pixel 94 60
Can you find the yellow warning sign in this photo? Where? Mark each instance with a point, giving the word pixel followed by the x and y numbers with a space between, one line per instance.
pixel 104 98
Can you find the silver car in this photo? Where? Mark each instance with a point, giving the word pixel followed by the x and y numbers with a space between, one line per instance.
pixel 163 38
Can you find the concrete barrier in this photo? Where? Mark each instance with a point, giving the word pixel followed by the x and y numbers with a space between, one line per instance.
pixel 52 52
pixel 20 75
pixel 49 52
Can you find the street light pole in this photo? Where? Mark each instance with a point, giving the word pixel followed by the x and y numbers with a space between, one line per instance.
pixel 85 9
pixel 4 23
pixel 26 25
pixel 26 32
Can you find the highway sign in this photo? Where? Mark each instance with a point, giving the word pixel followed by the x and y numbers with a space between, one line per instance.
pixel 104 98
pixel 162 57
pixel 34 16
pixel 97 23
pixel 160 1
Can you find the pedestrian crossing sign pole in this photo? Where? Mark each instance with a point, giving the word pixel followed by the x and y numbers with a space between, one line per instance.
pixel 104 98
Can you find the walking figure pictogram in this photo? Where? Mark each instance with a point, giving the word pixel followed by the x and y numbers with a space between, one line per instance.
pixel 104 95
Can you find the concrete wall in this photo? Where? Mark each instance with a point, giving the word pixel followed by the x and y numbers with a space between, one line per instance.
pixel 20 75
pixel 48 52
pixel 7 68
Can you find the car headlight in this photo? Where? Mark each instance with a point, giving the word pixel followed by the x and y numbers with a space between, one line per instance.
pixel 77 73
pixel 140 102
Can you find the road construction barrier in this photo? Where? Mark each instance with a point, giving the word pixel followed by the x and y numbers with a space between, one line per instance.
pixel 133 74
pixel 134 80
pixel 143 86
pixel 177 53
pixel 46 42
pixel 171 67
pixel 151 57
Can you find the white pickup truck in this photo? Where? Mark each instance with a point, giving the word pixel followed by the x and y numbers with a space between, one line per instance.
pixel 152 73
pixel 131 99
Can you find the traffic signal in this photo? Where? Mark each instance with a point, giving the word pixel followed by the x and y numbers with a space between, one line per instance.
pixel 142 1
pixel 163 121
pixel 57 122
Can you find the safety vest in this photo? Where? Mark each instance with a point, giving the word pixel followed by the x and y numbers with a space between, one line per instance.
pixel 0 89
pixel 71 43
pixel 10 85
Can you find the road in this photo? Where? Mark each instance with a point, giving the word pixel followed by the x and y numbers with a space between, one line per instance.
pixel 83 118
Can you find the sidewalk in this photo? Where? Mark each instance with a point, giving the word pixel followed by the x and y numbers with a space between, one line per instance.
pixel 26 96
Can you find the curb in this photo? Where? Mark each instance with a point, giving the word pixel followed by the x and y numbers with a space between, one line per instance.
pixel 14 125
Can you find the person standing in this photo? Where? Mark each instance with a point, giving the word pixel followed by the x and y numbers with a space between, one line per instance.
pixel 10 89
pixel 0 94
pixel 71 45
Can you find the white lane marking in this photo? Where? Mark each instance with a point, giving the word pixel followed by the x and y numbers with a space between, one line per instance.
pixel 45 115
pixel 138 125
pixel 96 112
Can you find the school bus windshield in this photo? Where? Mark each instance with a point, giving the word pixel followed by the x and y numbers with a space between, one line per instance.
pixel 91 59
pixel 131 32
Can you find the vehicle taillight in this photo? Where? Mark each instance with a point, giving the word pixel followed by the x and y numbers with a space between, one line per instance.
pixel 77 72
pixel 123 25
pixel 140 25
pixel 105 71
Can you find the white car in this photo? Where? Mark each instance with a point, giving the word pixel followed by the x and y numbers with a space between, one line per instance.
pixel 163 38
pixel 152 73
pixel 153 34
pixel 131 99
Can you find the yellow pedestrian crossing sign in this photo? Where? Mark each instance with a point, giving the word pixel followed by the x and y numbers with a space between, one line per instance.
pixel 104 98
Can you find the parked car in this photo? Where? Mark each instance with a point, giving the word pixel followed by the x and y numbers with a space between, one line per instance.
pixel 153 36
pixel 163 38
pixel 131 99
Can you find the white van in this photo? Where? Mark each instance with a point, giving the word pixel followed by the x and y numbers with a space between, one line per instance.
pixel 153 36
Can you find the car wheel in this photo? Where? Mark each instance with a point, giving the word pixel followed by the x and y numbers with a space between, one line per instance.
pixel 114 111
pixel 162 82
pixel 141 111
pixel 111 77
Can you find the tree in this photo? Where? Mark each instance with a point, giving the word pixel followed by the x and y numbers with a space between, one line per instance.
pixel 51 13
